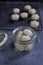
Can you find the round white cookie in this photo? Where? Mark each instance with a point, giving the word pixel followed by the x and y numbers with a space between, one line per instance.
pixel 27 7
pixel 23 15
pixel 18 36
pixel 25 38
pixel 28 47
pixel 32 11
pixel 15 17
pixel 19 47
pixel 28 32
pixel 16 10
pixel 35 17
pixel 34 24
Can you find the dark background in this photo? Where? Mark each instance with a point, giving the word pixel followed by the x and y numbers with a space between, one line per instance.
pixel 22 0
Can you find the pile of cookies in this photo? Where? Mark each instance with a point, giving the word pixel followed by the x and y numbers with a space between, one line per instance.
pixel 24 35
pixel 28 11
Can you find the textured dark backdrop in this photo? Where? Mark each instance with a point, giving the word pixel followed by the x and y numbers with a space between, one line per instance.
pixel 23 0
pixel 9 56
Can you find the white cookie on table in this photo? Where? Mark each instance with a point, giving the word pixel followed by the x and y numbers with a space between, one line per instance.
pixel 15 17
pixel 27 7
pixel 24 15
pixel 34 24
pixel 35 17
pixel 32 11
pixel 16 10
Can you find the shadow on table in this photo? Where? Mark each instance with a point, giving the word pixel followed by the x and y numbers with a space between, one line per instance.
pixel 14 54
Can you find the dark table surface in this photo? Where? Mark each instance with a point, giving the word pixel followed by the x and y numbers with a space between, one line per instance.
pixel 9 56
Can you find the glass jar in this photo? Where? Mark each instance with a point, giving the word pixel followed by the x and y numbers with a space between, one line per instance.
pixel 23 45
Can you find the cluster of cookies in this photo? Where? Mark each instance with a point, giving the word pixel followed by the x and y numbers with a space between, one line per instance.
pixel 24 35
pixel 28 11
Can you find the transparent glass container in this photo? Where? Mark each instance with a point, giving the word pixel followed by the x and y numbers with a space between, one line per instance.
pixel 23 45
